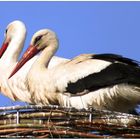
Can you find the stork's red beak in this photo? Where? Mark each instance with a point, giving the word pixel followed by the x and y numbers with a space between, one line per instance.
pixel 29 53
pixel 4 47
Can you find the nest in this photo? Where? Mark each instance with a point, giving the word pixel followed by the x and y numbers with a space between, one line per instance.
pixel 36 121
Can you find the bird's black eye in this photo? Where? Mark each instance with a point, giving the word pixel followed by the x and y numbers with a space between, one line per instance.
pixel 37 39
pixel 6 31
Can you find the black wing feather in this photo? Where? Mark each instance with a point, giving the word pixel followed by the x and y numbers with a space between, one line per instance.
pixel 128 71
pixel 114 57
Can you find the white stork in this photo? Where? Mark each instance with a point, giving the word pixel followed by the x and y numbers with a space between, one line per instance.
pixel 103 81
pixel 15 88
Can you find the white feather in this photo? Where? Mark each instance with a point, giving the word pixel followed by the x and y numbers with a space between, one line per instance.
pixel 121 98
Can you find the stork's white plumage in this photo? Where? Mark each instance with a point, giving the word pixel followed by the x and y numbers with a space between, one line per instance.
pixel 103 81
pixel 15 88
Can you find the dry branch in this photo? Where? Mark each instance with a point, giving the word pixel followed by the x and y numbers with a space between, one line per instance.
pixel 36 121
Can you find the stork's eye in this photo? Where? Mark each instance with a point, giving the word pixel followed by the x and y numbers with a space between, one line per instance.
pixel 6 31
pixel 37 39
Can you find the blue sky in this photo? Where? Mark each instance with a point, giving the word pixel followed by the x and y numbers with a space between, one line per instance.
pixel 82 27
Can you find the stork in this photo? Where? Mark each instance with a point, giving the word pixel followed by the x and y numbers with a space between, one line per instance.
pixel 103 81
pixel 15 88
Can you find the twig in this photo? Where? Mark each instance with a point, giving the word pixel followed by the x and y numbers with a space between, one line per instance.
pixel 73 133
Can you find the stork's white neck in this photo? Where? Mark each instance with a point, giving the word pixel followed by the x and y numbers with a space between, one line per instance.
pixel 45 57
pixel 14 49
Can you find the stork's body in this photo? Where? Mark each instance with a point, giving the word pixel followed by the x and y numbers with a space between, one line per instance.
pixel 16 88
pixel 104 81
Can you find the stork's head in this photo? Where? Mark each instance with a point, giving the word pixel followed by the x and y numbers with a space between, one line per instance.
pixel 15 29
pixel 43 38
pixel 40 40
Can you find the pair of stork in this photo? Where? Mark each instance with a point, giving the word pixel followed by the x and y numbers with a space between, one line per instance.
pixel 103 81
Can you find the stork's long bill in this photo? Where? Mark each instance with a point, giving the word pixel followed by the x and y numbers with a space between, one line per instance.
pixel 29 53
pixel 4 47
